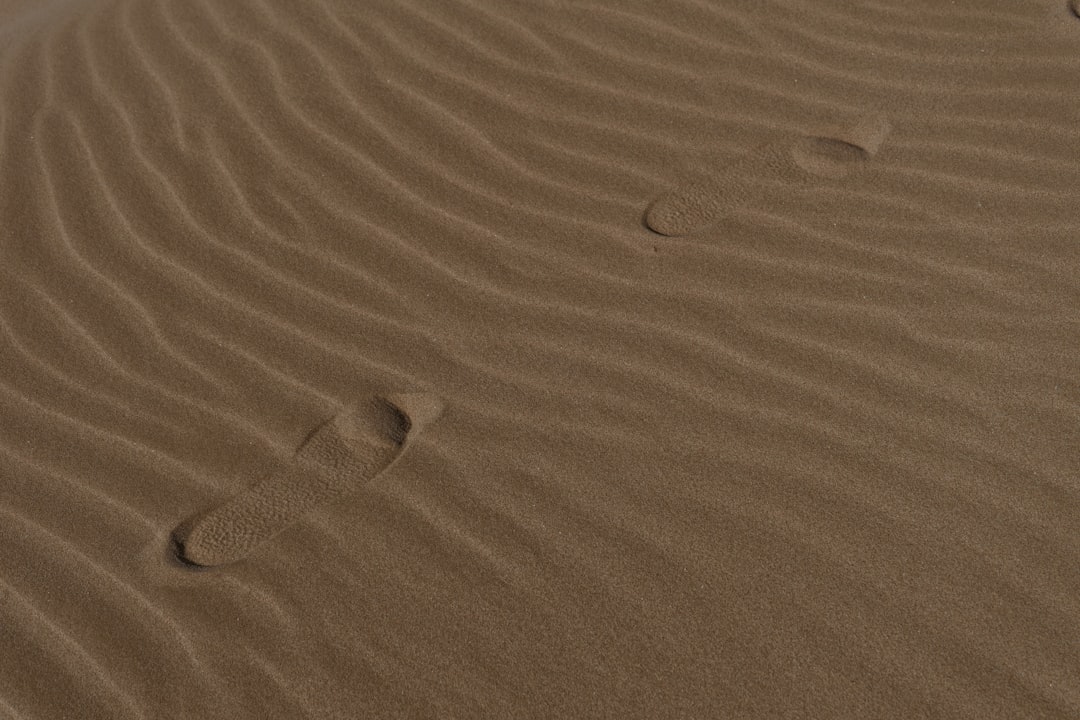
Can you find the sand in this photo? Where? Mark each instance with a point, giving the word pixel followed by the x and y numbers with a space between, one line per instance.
pixel 553 359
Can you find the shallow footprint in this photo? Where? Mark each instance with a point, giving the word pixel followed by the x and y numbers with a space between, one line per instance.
pixel 834 154
pixel 843 150
pixel 351 448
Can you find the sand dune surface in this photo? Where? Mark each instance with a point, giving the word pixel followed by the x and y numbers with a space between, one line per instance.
pixel 553 359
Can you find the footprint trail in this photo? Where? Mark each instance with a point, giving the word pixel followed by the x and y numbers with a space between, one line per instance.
pixel 351 448
pixel 833 155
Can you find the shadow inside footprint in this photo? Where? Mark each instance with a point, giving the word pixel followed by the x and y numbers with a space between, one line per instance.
pixel 833 154
pixel 349 449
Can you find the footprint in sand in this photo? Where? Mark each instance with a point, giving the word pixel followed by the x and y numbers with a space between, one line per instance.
pixel 1074 7
pixel 354 446
pixel 832 155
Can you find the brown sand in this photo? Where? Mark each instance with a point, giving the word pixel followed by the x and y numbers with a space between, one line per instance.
pixel 811 449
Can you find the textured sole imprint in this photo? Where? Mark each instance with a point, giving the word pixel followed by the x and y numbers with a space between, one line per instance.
pixel 834 154
pixel 351 448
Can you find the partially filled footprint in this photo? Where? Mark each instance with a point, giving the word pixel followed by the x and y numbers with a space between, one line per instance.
pixel 699 205
pixel 351 448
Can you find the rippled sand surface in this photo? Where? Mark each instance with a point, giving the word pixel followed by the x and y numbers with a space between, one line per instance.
pixel 555 359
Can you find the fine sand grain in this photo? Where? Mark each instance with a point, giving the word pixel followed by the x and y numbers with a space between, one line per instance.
pixel 539 359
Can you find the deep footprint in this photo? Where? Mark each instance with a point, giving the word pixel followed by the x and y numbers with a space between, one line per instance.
pixel 833 155
pixel 351 448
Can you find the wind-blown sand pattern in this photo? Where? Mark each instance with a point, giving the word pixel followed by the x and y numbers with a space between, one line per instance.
pixel 813 455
